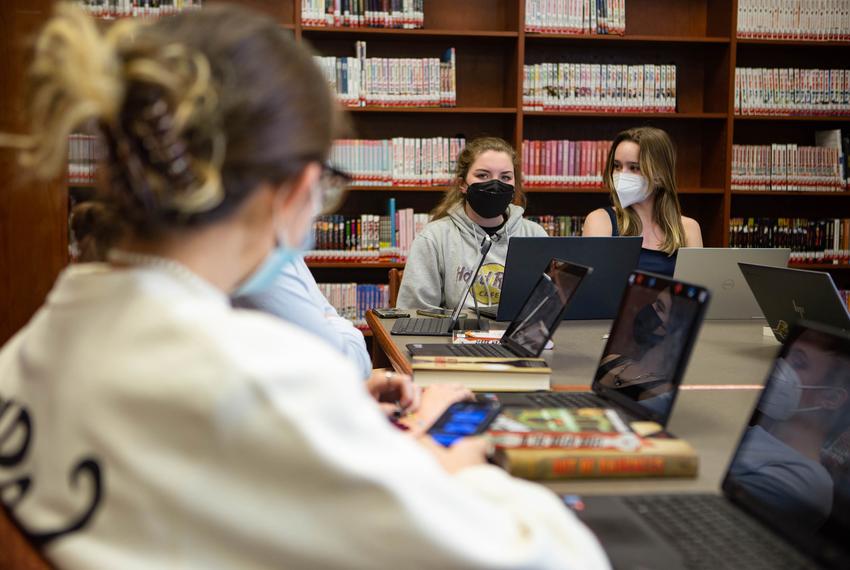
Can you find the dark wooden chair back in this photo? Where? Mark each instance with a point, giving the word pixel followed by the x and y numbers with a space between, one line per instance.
pixel 395 283
pixel 16 553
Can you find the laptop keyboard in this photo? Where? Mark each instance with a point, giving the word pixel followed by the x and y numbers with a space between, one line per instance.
pixel 494 350
pixel 710 533
pixel 568 400
pixel 421 327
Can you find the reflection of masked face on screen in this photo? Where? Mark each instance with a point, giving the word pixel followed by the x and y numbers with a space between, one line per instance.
pixel 647 344
pixel 542 310
pixel 793 463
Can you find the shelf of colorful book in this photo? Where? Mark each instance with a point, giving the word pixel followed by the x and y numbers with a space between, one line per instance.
pixel 788 193
pixel 621 114
pixel 636 38
pixel 380 188
pixel 338 33
pixel 797 118
pixel 355 265
pixel 437 110
pixel 793 43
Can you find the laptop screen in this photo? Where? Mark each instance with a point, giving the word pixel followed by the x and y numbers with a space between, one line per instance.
pixel 650 343
pixel 792 466
pixel 541 313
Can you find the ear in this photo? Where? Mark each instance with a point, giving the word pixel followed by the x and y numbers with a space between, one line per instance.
pixel 463 185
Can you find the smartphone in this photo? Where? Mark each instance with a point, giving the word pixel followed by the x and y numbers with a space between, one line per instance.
pixel 464 419
pixel 391 313
pixel 434 312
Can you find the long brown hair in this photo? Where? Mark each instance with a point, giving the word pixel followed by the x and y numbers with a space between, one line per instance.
pixel 658 165
pixel 196 110
pixel 470 153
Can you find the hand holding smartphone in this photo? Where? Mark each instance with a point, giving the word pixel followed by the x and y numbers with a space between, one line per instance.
pixel 464 419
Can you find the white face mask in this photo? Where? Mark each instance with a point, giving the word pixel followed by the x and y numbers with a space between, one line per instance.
pixel 781 398
pixel 631 188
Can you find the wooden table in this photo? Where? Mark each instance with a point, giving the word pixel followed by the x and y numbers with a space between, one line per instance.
pixel 726 371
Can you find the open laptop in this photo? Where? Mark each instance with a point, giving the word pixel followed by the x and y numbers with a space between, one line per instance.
pixel 717 269
pixel 786 494
pixel 537 321
pixel 435 326
pixel 612 259
pixel 789 295
pixel 642 366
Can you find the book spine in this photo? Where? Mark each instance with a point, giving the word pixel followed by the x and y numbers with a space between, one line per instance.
pixel 529 464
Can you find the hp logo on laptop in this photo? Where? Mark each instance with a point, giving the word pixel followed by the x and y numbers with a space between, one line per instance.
pixel 799 309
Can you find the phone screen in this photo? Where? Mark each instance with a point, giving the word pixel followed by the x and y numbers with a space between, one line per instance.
pixel 463 419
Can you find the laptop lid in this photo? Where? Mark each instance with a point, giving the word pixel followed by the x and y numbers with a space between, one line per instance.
pixel 717 269
pixel 486 244
pixel 649 345
pixel 612 259
pixel 791 469
pixel 544 307
pixel 787 296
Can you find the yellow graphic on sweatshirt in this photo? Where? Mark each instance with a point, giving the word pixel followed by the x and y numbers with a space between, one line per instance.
pixel 488 286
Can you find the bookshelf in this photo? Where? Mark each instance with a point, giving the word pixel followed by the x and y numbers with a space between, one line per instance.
pixel 699 36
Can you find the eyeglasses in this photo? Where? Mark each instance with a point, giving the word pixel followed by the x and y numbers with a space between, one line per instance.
pixel 333 183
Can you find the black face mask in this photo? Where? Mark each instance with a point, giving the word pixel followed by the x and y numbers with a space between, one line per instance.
pixel 646 321
pixel 489 199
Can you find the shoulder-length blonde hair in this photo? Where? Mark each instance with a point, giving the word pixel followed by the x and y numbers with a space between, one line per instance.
pixel 658 164
pixel 469 155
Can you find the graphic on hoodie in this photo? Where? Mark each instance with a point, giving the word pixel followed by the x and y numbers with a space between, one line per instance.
pixel 487 288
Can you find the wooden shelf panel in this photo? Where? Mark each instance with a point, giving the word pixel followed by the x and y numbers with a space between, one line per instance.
pixel 635 38
pixel 315 32
pixel 354 265
pixel 798 118
pixel 783 193
pixel 629 115
pixel 792 43
pixel 437 110
pixel 839 266
pixel 398 188
pixel 597 190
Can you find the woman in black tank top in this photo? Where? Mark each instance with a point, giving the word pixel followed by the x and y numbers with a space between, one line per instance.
pixel 640 175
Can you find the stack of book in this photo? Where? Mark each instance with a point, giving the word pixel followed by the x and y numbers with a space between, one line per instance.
pixel 367 237
pixel 559 226
pixel 392 82
pixel 406 14
pixel 564 163
pixel 562 443
pixel 787 167
pixel 146 9
pixel 599 87
pixel 810 241
pixel 760 91
pixel 352 300
pixel 482 373
pixel 399 161
pixel 82 159
pixel 576 16
pixel 813 20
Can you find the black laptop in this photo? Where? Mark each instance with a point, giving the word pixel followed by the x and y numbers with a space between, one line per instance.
pixel 436 326
pixel 537 321
pixel 785 499
pixel 786 296
pixel 645 357
pixel 612 259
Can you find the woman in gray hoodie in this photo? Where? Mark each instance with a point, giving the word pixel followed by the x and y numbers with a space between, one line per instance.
pixel 482 201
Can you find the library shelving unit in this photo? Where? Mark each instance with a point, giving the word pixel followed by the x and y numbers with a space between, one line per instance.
pixel 698 36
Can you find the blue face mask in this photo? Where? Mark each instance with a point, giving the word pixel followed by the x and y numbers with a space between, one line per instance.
pixel 269 270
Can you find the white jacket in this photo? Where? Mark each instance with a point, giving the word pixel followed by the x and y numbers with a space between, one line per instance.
pixel 229 439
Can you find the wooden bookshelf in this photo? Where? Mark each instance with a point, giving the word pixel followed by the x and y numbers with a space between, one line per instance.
pixel 492 46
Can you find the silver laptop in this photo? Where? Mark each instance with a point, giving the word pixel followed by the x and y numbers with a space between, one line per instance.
pixel 717 269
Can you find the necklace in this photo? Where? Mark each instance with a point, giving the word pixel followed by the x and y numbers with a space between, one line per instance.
pixel 175 268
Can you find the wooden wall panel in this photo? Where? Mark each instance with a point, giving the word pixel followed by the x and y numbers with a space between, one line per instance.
pixel 33 215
